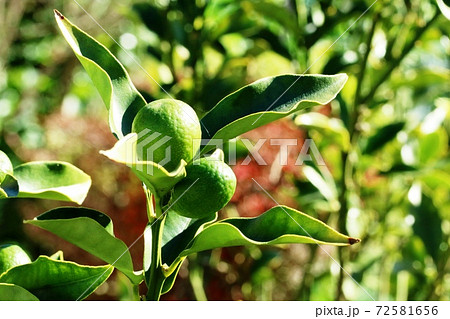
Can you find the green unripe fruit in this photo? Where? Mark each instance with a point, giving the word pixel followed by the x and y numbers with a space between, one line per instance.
pixel 168 132
pixel 208 186
pixel 11 256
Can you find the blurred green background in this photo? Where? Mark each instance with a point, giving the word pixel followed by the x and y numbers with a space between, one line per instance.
pixel 384 139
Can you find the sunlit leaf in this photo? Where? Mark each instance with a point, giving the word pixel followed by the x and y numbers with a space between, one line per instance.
pixel 267 100
pixel 326 189
pixel 92 231
pixel 279 225
pixel 8 184
pixel 11 256
pixel 5 166
pixel 49 279
pixel 330 127
pixel 155 177
pixel 10 292
pixel 432 146
pixel 52 180
pixel 108 75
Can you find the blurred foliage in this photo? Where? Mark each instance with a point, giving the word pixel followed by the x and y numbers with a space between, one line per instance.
pixel 384 139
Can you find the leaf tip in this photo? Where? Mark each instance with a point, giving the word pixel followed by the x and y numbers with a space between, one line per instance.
pixel 353 241
pixel 58 14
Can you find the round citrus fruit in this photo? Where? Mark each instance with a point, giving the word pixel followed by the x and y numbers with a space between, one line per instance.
pixel 11 256
pixel 168 132
pixel 208 186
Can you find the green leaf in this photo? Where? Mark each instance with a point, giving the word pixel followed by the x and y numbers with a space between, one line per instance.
pixel 52 180
pixel 59 255
pixel 92 231
pixel 383 135
pixel 279 225
pixel 326 188
pixel 154 176
pixel 445 8
pixel 50 279
pixel 432 146
pixel 267 100
pixel 427 225
pixel 11 256
pixel 8 184
pixel 178 232
pixel 400 168
pixel 5 166
pixel 273 12
pixel 10 292
pixel 9 187
pixel 331 127
pixel 168 283
pixel 234 149
pixel 108 75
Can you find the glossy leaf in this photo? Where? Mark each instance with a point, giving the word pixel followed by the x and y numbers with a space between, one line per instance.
pixel 279 225
pixel 59 255
pixel 50 279
pixel 9 187
pixel 8 184
pixel 445 8
pixel 92 231
pixel 168 283
pixel 154 176
pixel 108 75
pixel 382 137
pixel 178 232
pixel 5 166
pixel 10 292
pixel 52 180
pixel 326 188
pixel 267 100
pixel 11 256
pixel 330 127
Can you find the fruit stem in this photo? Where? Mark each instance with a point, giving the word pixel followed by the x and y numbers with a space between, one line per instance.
pixel 154 276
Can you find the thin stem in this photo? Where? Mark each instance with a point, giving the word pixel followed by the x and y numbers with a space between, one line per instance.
pixel 346 165
pixel 155 274
pixel 196 279
pixel 361 74
pixel 304 291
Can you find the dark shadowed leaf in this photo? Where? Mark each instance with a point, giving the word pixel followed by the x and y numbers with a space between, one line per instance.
pixel 9 187
pixel 427 225
pixel 383 135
